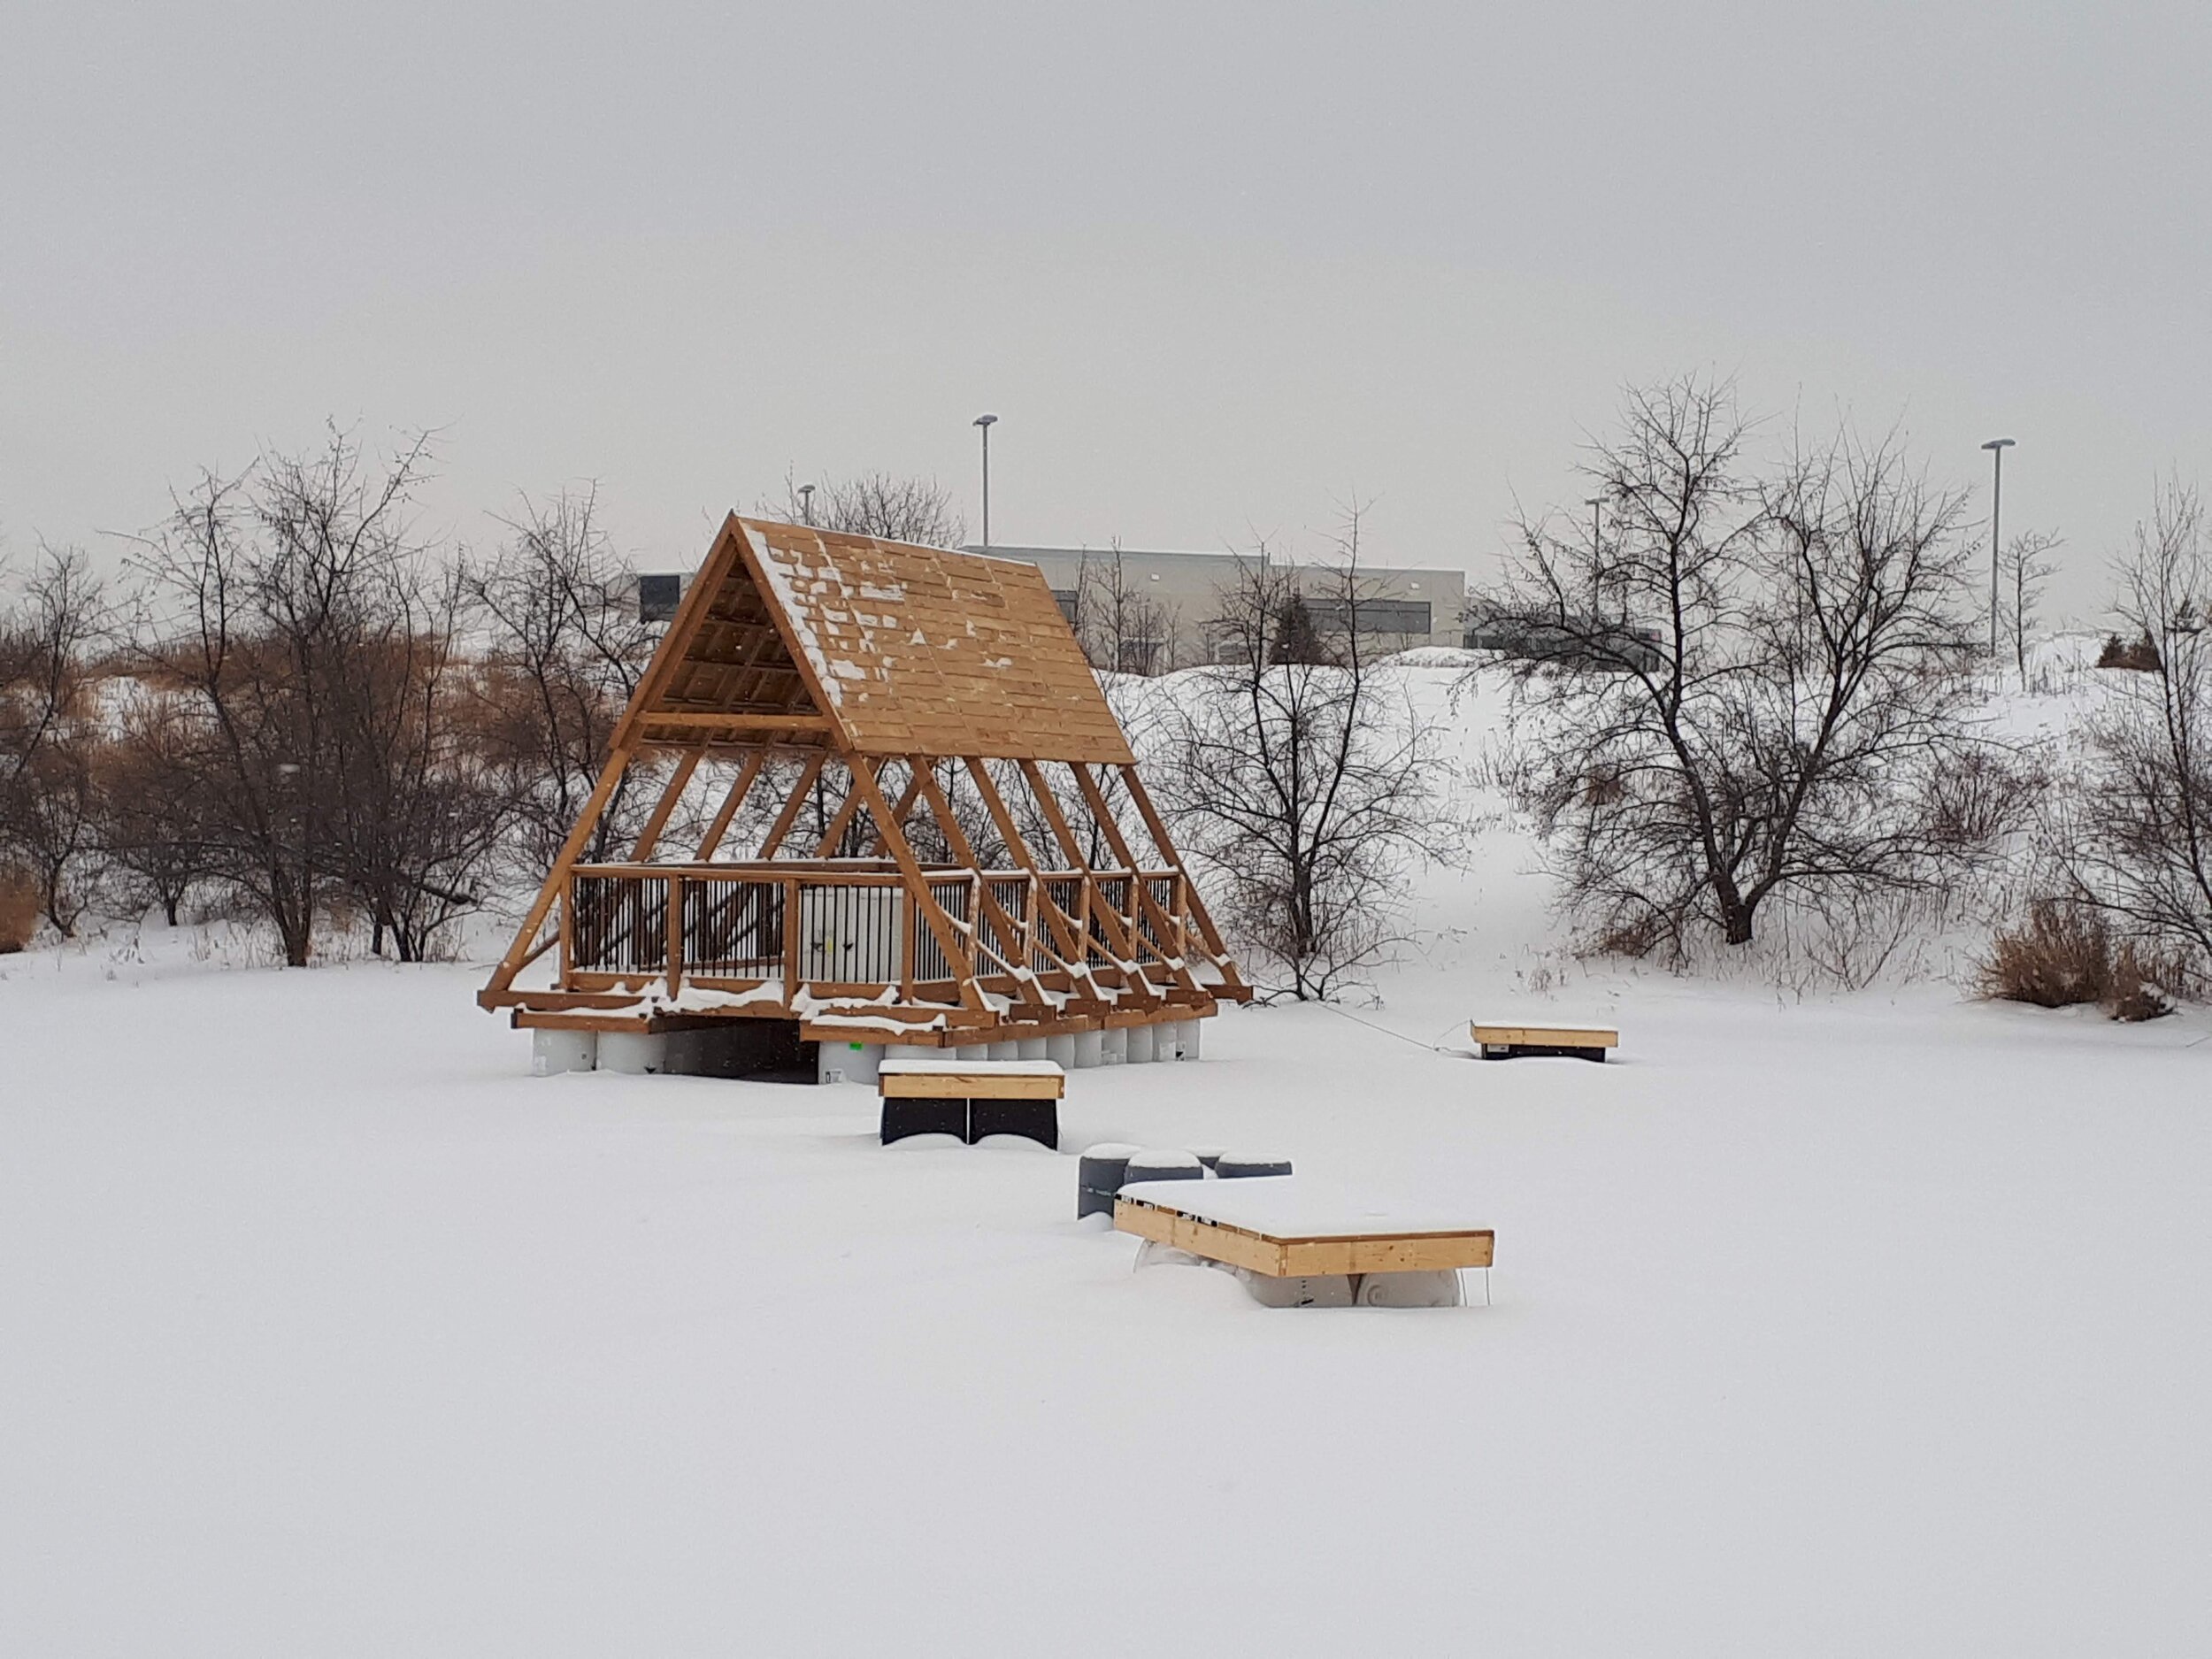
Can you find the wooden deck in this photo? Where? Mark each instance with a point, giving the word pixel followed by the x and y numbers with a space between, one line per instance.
pixel 1588 1042
pixel 1195 1222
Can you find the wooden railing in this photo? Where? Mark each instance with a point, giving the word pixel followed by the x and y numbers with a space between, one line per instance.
pixel 850 928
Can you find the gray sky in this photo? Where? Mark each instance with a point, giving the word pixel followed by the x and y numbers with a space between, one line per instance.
pixel 1216 267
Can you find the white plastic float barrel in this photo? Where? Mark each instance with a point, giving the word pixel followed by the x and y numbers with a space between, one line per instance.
pixel 634 1052
pixel 1060 1050
pixel 554 1052
pixel 1085 1049
pixel 848 1062
pixel 1437 1288
pixel 1113 1045
pixel 1317 1290
pixel 1137 1049
pixel 1005 1051
pixel 1034 1048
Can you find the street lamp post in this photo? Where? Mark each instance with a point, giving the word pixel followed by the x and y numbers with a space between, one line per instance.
pixel 985 422
pixel 806 502
pixel 1597 559
pixel 1996 448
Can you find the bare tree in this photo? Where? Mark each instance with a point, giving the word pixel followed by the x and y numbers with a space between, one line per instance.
pixel 154 802
pixel 2025 569
pixel 2139 843
pixel 421 810
pixel 1303 787
pixel 1122 628
pixel 565 650
pixel 1775 702
pixel 49 733
pixel 266 598
pixel 915 509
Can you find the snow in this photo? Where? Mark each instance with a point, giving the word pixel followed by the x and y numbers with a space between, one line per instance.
pixel 1304 1207
pixel 966 1068
pixel 1824 1325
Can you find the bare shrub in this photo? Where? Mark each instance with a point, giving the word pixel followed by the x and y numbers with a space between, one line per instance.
pixel 2145 983
pixel 2060 957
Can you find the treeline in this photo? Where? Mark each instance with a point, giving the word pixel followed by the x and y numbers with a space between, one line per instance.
pixel 1753 721
pixel 295 711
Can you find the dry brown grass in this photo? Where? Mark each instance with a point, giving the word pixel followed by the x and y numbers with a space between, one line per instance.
pixel 2064 956
pixel 19 911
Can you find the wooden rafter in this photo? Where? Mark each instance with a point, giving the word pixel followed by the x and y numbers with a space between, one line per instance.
pixel 1118 940
pixel 948 938
pixel 835 831
pixel 792 804
pixel 1072 956
pixel 679 781
pixel 986 901
pixel 1096 799
pixel 747 775
pixel 879 847
pixel 1156 827
pixel 519 953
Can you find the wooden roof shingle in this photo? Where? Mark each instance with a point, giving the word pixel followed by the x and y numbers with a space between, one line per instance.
pixel 890 648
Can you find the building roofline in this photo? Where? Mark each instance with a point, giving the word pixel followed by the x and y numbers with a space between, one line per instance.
pixel 1000 550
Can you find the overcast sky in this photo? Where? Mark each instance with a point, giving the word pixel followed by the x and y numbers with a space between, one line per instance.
pixel 1216 267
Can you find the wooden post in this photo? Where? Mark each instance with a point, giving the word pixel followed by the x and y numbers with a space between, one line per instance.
pixel 568 928
pixel 675 921
pixel 791 978
pixel 907 913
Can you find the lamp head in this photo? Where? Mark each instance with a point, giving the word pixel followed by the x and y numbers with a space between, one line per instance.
pixel 986 420
pixel 1997 443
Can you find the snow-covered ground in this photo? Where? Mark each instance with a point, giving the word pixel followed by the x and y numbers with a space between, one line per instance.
pixel 1848 1324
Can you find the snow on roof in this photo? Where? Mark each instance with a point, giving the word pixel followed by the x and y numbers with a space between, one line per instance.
pixel 906 650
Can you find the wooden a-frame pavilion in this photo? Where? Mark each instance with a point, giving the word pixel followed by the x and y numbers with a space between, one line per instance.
pixel 861 666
